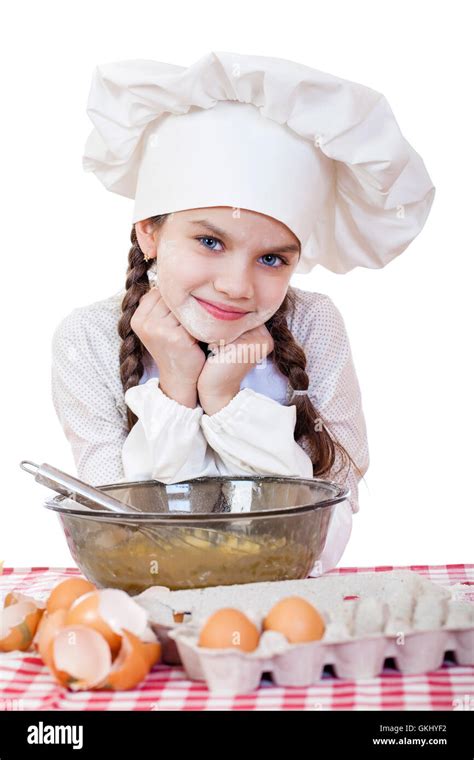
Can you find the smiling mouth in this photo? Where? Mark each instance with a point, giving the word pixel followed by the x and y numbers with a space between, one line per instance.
pixel 220 312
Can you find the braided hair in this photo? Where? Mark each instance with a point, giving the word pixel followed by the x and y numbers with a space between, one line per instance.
pixel 311 432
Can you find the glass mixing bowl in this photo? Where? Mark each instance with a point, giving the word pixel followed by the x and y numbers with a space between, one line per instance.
pixel 202 532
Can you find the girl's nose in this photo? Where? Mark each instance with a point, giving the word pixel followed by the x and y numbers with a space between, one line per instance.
pixel 235 282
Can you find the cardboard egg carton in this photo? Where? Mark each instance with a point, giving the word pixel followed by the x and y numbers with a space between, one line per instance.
pixel 369 617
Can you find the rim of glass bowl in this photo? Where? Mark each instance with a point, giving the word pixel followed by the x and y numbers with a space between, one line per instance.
pixel 341 494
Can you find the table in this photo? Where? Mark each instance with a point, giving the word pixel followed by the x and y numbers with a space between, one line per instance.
pixel 26 683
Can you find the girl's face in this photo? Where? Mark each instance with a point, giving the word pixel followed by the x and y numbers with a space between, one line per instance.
pixel 237 259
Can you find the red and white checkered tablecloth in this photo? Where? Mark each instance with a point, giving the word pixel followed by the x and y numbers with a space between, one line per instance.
pixel 26 684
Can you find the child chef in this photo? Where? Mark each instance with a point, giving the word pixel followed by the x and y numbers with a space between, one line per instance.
pixel 244 170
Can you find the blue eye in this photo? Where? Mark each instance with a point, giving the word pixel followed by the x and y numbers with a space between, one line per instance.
pixel 202 241
pixel 274 256
pixel 215 240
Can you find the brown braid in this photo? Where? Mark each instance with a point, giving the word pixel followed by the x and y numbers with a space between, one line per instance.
pixel 132 349
pixel 310 427
pixel 288 356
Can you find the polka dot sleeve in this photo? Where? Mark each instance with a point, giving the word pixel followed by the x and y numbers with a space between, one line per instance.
pixel 84 403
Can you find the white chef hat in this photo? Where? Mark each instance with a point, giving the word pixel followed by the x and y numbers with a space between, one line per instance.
pixel 321 154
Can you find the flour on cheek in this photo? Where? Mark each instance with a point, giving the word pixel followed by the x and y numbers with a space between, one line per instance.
pixel 203 326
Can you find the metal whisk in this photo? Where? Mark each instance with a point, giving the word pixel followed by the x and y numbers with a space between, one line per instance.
pixel 165 538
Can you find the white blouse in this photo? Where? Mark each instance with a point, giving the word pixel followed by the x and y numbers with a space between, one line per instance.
pixel 253 434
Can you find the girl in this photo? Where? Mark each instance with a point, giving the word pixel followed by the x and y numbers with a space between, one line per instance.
pixel 223 367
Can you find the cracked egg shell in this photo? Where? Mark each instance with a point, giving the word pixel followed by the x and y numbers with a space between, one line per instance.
pixel 19 621
pixel 85 611
pixel 80 657
pixel 13 597
pixel 65 593
pixel 109 611
pixel 131 665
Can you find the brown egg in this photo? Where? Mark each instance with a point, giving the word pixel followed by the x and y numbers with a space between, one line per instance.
pixel 65 593
pixel 229 629
pixel 296 619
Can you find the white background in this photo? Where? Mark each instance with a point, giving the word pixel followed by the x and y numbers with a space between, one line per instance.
pixel 66 241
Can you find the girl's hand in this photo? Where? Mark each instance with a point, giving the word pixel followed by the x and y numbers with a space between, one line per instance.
pixel 177 354
pixel 222 374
